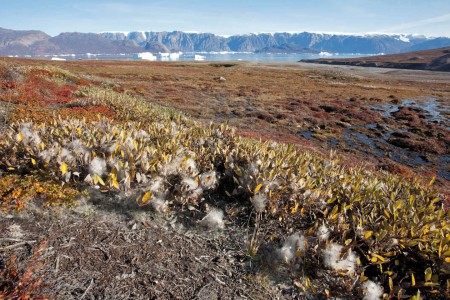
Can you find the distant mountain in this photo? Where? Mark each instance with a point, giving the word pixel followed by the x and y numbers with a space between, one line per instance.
pixel 336 43
pixel 14 42
pixel 433 60
pixel 287 48
pixel 17 42
pixel 77 43
pixel 20 42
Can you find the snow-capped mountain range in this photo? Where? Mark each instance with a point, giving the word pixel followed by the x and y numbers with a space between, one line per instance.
pixel 14 42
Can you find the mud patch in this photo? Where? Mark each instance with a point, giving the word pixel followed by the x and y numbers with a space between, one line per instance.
pixel 415 134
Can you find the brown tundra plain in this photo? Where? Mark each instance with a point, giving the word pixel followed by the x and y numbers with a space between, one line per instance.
pixel 222 180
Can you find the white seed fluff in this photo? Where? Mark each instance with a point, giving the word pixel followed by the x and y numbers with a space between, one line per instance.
pixel 65 156
pixel 290 247
pixel 190 166
pixel 30 137
pixel 159 204
pixel 372 291
pixel 157 185
pixel 259 202
pixel 213 220
pixel 97 166
pixel 78 147
pixel 332 259
pixel 209 180
pixel 323 233
pixel 189 183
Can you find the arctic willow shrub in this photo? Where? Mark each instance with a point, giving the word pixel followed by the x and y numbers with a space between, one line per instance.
pixel 397 229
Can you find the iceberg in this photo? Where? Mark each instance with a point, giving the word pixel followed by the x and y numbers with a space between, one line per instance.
pixel 323 53
pixel 58 58
pixel 199 57
pixel 144 56
pixel 175 55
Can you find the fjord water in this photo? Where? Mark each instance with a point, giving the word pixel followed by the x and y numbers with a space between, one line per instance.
pixel 214 56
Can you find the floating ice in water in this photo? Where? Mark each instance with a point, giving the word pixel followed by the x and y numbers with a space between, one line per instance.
pixel 199 57
pixel 323 53
pixel 175 55
pixel 58 58
pixel 144 56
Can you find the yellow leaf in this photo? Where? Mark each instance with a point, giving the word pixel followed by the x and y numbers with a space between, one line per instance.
pixel 447 259
pixel 146 197
pixel 98 179
pixel 391 284
pixel 64 168
pixel 446 253
pixel 432 181
pixel 363 277
pixel 257 188
pixel 19 137
pixel 428 274
pixel 33 161
pixel 413 280
pixel 368 234
pixel 308 282
pixel 115 184
pixel 380 257
pixel 334 212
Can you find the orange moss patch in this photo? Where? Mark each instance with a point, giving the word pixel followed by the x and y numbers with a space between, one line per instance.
pixel 88 112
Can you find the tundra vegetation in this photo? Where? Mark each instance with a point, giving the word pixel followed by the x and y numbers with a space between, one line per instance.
pixel 377 234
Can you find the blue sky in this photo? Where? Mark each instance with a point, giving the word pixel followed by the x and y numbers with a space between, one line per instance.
pixel 227 17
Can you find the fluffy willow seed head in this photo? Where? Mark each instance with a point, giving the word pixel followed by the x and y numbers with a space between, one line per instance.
pixel 213 220
pixel 97 166
pixel 259 202
pixel 372 290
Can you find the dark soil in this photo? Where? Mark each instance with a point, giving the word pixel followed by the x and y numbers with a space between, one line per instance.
pixel 109 248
